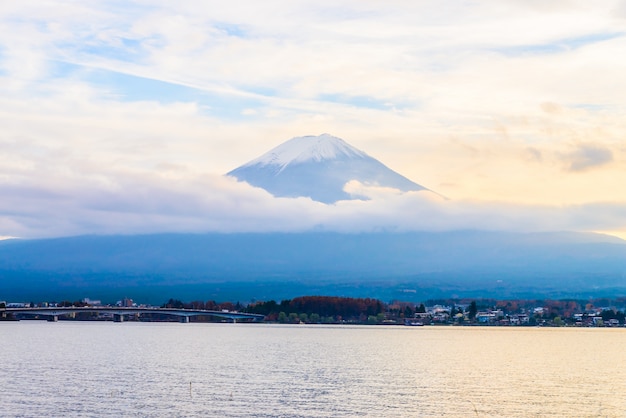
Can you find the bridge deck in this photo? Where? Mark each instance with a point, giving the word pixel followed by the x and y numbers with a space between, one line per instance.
pixel 59 311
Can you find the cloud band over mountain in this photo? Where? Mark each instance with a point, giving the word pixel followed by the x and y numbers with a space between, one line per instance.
pixel 136 203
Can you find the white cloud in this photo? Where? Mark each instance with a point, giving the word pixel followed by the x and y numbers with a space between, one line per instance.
pixel 140 203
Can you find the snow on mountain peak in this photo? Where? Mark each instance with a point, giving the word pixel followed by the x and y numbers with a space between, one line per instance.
pixel 308 148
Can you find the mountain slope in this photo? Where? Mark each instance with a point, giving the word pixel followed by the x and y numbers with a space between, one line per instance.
pixel 284 265
pixel 318 167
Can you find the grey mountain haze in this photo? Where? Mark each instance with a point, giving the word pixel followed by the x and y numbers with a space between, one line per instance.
pixel 407 266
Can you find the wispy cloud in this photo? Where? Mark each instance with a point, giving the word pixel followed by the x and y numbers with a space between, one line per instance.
pixel 588 156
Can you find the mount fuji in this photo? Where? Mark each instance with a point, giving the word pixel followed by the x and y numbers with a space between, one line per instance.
pixel 319 167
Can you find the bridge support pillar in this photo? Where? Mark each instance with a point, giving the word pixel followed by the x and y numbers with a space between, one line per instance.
pixel 118 318
pixel 53 318
pixel 184 319
pixel 5 316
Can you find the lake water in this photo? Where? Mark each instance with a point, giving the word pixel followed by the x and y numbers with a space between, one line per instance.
pixel 87 369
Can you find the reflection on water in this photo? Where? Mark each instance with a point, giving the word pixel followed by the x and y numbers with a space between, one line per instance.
pixel 255 370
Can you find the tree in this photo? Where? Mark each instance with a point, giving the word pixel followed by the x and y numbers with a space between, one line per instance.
pixel 197 304
pixel 282 317
pixel 473 310
pixel 174 303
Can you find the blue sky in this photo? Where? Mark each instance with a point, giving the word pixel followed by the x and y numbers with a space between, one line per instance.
pixel 122 117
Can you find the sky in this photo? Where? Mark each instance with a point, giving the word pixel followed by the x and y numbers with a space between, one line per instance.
pixel 124 116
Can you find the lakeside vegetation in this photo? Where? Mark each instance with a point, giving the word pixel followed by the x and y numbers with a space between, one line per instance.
pixel 531 312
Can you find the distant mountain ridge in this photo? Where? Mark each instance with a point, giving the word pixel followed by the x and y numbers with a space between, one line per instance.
pixel 318 167
pixel 248 266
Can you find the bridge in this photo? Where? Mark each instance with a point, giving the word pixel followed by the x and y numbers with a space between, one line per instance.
pixel 52 314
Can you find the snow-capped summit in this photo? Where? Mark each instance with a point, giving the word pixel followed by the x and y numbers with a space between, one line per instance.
pixel 308 148
pixel 318 167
